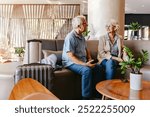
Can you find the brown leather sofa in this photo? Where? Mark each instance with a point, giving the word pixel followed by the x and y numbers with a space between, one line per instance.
pixel 67 85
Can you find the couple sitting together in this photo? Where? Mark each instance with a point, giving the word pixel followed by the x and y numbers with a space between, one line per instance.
pixel 76 56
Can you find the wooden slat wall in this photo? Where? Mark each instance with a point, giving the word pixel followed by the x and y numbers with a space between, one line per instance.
pixel 47 21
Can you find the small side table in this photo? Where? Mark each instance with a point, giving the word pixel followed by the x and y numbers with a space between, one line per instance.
pixel 118 90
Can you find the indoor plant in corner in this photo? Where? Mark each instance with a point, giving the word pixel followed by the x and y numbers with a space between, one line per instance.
pixel 135 64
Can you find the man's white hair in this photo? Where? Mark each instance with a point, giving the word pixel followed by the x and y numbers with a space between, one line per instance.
pixel 77 21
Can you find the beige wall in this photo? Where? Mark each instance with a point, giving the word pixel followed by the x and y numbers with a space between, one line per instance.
pixel 101 11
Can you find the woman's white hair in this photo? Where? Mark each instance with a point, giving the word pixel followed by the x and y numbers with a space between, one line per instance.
pixel 77 21
pixel 113 22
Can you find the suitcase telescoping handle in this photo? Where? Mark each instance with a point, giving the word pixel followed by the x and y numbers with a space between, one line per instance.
pixel 34 51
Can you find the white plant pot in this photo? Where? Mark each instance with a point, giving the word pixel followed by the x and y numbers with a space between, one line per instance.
pixel 136 81
pixel 19 59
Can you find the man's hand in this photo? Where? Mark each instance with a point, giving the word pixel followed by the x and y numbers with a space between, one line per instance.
pixel 125 56
pixel 89 63
pixel 77 61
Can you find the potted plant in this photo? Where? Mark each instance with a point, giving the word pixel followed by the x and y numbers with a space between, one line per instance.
pixel 135 63
pixel 19 51
pixel 134 26
pixel 86 34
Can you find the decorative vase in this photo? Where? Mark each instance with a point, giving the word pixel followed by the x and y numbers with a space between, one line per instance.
pixel 136 81
pixel 134 34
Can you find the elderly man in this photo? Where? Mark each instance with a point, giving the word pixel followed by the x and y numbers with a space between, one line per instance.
pixel 77 58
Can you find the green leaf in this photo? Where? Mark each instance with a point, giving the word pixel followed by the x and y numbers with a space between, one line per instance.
pixel 134 63
pixel 19 51
pixel 134 26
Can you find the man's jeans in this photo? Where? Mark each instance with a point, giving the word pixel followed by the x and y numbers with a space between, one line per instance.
pixel 110 67
pixel 88 79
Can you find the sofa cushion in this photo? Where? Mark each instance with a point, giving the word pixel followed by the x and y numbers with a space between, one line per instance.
pixel 51 60
pixel 48 44
pixel 67 84
pixel 93 48
pixel 57 53
pixel 59 44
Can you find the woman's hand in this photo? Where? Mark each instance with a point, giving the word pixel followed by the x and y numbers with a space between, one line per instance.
pixel 117 59
pixel 125 56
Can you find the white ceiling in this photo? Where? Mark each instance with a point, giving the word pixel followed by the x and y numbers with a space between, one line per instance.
pixel 131 6
pixel 137 6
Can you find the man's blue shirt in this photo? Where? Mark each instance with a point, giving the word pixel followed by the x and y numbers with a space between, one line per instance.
pixel 75 44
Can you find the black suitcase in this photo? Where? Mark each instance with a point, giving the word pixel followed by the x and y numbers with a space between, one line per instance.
pixel 40 72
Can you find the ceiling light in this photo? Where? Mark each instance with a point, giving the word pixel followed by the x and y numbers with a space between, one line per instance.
pixel 59 2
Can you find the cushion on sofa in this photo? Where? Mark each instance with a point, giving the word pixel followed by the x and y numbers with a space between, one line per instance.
pixel 57 53
pixel 67 84
pixel 93 48
pixel 48 44
pixel 51 59
pixel 59 44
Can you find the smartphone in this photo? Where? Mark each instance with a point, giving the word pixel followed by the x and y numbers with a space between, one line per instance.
pixel 91 61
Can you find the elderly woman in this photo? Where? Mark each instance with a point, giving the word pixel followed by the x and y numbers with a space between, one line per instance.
pixel 110 49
